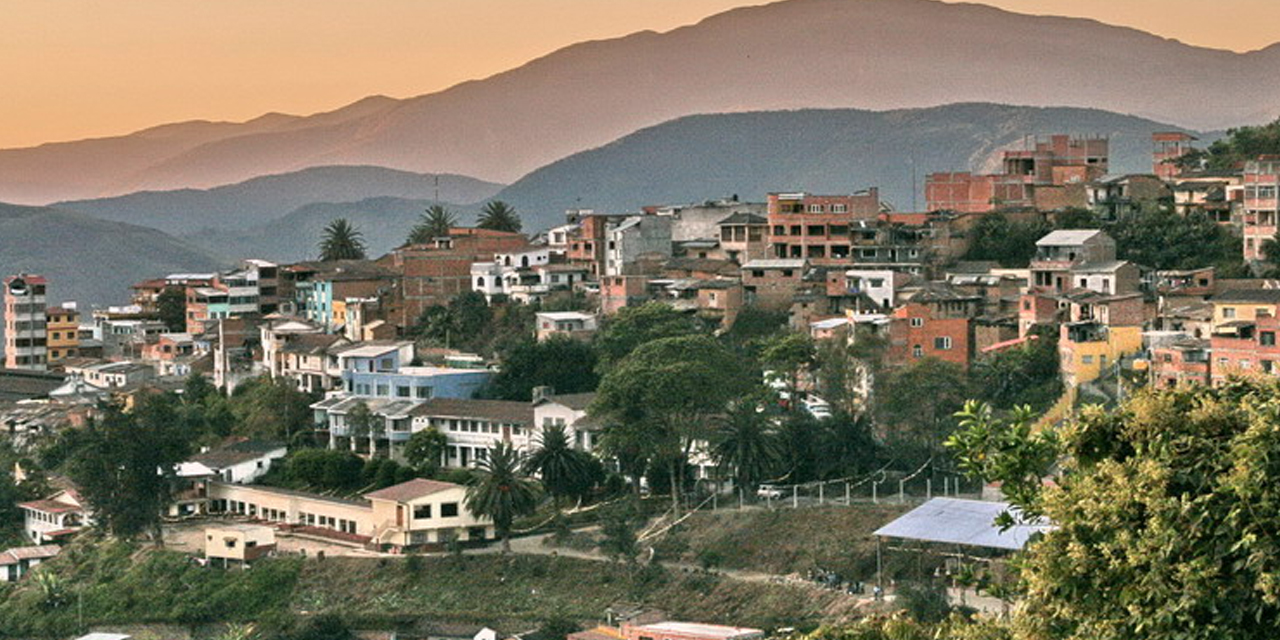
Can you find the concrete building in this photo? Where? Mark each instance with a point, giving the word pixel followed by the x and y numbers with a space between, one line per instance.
pixel 1166 148
pixel 242 462
pixel 25 334
pixel 19 561
pixel 472 427
pixel 1058 253
pixel 574 324
pixel 415 514
pixel 62 326
pixel 238 545
pixel 54 518
pixel 634 238
pixel 744 236
pixel 111 375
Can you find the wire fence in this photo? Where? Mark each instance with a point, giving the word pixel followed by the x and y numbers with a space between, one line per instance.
pixel 883 486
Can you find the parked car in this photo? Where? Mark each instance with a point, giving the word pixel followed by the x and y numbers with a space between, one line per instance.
pixel 769 492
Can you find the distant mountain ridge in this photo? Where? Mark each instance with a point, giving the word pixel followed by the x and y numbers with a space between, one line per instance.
pixel 88 260
pixel 265 199
pixel 821 151
pixel 795 54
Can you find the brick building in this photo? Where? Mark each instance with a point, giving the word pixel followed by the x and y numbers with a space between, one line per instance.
pixel 817 228
pixel 434 273
pixel 1166 147
pixel 1047 173
pixel 1261 204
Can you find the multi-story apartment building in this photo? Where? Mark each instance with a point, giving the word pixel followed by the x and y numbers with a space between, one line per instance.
pixel 744 237
pixel 636 237
pixel 63 327
pixel 25 324
pixel 1166 148
pixel 818 228
pixel 1261 204
pixel 1047 173
pixel 1062 252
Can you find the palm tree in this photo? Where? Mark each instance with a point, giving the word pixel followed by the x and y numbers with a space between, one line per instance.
pixel 342 241
pixel 434 223
pixel 564 471
pixel 501 492
pixel 746 445
pixel 499 216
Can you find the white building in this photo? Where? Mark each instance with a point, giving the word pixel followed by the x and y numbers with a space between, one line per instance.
pixel 575 324
pixel 242 462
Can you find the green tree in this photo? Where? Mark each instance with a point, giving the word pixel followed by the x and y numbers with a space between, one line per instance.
pixel 342 241
pixel 501 491
pixel 560 362
pixel 499 216
pixel 1012 244
pixel 272 409
pixel 619 541
pixel 565 472
pixel 425 449
pixel 125 465
pixel 364 423
pixel 324 626
pixel 1159 238
pixel 1025 375
pixel 436 222
pixel 666 393
pixel 847 445
pixel 324 469
pixel 787 357
pixel 1240 145
pixel 634 326
pixel 171 305
pixel 745 445
pixel 916 403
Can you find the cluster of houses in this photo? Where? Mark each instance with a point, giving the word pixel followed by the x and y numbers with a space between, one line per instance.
pixel 839 266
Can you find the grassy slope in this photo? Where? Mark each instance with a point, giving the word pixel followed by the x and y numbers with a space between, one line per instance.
pixel 785 541
pixel 121 585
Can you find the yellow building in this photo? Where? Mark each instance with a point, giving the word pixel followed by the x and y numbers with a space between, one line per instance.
pixel 63 329
pixel 1244 305
pixel 1088 349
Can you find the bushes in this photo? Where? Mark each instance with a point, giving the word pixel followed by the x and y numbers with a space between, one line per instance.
pixel 324 469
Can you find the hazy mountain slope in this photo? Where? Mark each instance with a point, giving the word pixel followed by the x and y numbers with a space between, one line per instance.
pixel 262 200
pixel 385 223
pixel 823 151
pixel 88 260
pixel 871 54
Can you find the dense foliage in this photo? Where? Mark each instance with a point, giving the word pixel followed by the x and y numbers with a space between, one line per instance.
pixel 436 222
pixel 497 215
pixel 125 465
pixel 565 364
pixel 1165 511
pixel 1240 145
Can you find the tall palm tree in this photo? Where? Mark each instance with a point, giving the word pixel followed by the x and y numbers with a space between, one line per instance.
pixel 434 223
pixel 746 445
pixel 499 216
pixel 564 471
pixel 501 492
pixel 342 241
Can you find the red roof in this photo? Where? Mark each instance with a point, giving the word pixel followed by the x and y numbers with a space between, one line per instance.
pixel 49 506
pixel 1001 346
pixel 28 278
pixel 411 490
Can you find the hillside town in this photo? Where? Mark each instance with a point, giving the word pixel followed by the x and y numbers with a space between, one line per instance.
pixel 479 388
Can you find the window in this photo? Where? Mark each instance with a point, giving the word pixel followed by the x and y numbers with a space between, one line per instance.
pixel 422 512
pixel 1086 360
pixel 917 322
pixel 449 510
pixel 402 391
pixel 422 393
pixel 917 351
pixel 757 273
pixel 815 208
pixel 384 390
pixel 942 343
pixel 1228 312
pixel 1267 339
pixel 839 208
pixel 1266 365
pixel 787 273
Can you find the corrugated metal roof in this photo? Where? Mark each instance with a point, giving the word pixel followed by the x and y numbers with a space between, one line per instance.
pixel 1067 237
pixel 964 522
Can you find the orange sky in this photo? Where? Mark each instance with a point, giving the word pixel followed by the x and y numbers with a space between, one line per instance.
pixel 77 68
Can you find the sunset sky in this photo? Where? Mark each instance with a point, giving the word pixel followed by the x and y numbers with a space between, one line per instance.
pixel 71 70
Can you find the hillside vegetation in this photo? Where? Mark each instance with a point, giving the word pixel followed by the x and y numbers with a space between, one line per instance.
pixel 121 585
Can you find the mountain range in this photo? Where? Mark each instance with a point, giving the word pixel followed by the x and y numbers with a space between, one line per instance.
pixel 869 54
pixel 268 198
pixel 88 260
pixel 821 151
